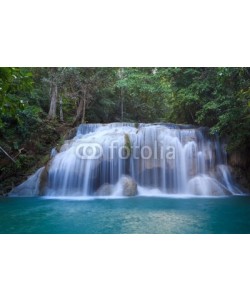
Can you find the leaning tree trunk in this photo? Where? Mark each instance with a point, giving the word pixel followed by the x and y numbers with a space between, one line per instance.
pixel 53 101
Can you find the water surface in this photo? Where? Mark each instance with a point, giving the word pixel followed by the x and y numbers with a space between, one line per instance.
pixel 126 215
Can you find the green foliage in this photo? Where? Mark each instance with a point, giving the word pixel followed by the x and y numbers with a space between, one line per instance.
pixel 29 119
pixel 218 98
pixel 127 144
pixel 144 92
pixel 15 85
pixel 215 97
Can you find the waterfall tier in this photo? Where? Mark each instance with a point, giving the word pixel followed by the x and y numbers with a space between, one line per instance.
pixel 127 158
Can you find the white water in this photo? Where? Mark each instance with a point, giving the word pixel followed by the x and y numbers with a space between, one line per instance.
pixel 161 159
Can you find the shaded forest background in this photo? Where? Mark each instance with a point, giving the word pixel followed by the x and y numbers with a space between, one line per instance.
pixel 39 106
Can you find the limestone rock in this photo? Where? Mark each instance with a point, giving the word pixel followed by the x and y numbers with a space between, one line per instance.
pixel 28 188
pixel 129 186
pixel 43 182
pixel 70 134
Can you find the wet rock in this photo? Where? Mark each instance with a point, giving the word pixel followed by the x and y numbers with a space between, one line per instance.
pixel 67 144
pixel 129 186
pixel 28 188
pixel 105 190
pixel 70 134
pixel 206 186
pixel 43 182
pixel 240 165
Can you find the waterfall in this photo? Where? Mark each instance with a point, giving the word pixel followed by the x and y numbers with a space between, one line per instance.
pixel 128 158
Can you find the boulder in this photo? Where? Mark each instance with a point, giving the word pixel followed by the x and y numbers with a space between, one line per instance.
pixel 128 186
pixel 206 186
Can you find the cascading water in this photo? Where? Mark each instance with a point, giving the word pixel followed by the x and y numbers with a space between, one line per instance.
pixel 125 159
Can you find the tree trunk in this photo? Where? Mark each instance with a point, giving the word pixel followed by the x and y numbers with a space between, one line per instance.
pixel 122 105
pixel 121 75
pixel 84 109
pixel 61 108
pixel 81 109
pixel 53 101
